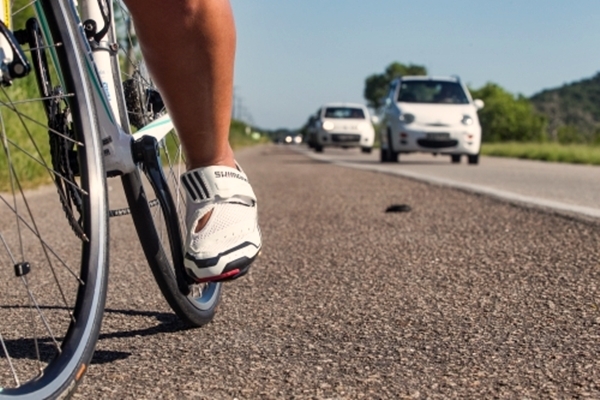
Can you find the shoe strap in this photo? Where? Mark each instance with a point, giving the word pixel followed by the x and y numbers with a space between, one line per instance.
pixel 217 182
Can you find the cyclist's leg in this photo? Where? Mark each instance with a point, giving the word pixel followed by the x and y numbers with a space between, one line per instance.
pixel 189 47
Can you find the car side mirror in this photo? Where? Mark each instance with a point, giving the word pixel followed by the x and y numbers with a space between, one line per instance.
pixel 478 103
pixel 374 119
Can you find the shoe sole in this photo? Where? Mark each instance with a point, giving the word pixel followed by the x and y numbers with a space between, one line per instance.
pixel 232 270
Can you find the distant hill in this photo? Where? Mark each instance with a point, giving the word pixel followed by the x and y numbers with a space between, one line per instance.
pixel 573 110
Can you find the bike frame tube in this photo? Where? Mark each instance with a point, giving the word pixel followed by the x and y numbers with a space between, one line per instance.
pixel 6 18
pixel 90 10
pixel 108 67
pixel 104 69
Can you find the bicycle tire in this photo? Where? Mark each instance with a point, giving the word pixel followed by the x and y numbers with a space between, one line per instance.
pixel 142 104
pixel 195 309
pixel 73 264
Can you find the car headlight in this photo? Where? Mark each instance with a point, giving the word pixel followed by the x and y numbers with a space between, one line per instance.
pixel 407 118
pixel 328 125
pixel 467 120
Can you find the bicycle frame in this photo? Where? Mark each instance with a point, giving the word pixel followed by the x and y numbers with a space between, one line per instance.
pixel 75 117
pixel 120 145
pixel 117 148
pixel 104 69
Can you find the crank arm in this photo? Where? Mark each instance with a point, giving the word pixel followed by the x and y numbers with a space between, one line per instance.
pixel 145 151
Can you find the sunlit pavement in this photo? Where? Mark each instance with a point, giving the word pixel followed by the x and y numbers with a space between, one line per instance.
pixel 565 188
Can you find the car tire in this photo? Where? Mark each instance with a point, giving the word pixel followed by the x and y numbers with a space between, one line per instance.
pixel 394 155
pixel 383 155
pixel 474 159
pixel 455 158
pixel 366 150
pixel 388 155
pixel 318 148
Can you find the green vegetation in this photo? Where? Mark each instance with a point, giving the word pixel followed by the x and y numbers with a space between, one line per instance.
pixel 243 135
pixel 377 85
pixel 22 133
pixel 32 173
pixel 508 118
pixel 572 110
pixel 570 153
pixel 26 141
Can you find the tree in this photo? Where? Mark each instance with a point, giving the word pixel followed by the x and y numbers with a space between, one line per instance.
pixel 508 118
pixel 377 85
pixel 573 110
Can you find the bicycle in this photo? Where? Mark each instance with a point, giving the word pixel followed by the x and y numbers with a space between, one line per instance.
pixel 95 115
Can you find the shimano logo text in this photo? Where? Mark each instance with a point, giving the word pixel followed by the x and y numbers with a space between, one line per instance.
pixel 229 174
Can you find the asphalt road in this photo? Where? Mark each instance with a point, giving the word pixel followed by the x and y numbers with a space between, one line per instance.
pixel 564 188
pixel 463 296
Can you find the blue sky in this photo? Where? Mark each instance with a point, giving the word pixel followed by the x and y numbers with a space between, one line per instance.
pixel 294 55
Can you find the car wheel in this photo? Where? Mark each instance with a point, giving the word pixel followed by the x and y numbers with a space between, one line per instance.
pixel 474 159
pixel 383 155
pixel 366 150
pixel 388 154
pixel 318 148
pixel 455 158
pixel 393 154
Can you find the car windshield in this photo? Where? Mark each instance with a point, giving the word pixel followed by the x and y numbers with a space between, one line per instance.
pixel 430 91
pixel 344 112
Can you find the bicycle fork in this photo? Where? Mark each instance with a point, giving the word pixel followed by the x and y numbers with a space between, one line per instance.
pixel 143 145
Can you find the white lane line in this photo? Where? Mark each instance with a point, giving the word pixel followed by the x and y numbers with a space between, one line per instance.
pixel 488 191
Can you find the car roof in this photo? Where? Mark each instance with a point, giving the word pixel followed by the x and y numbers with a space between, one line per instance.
pixel 430 77
pixel 339 104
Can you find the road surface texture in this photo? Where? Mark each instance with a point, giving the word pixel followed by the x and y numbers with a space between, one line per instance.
pixel 564 188
pixel 461 297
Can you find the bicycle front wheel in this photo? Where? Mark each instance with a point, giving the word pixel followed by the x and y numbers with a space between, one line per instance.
pixel 53 211
pixel 154 224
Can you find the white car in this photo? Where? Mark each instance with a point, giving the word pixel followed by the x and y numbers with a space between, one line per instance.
pixel 343 125
pixel 430 114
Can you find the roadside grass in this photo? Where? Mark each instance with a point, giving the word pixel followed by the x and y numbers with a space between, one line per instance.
pixel 27 144
pixel 239 138
pixel 555 152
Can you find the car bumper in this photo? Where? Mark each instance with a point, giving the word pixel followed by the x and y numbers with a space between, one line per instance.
pixel 345 139
pixel 445 141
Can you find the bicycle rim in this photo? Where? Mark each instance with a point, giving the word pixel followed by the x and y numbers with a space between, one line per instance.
pixel 52 304
pixel 143 105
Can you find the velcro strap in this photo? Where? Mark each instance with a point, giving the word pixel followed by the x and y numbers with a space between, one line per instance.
pixel 217 182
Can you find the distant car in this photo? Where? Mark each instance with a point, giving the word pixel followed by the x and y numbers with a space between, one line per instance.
pixel 343 125
pixel 293 139
pixel 310 130
pixel 430 114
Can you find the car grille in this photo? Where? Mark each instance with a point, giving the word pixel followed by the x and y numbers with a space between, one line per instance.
pixel 436 143
pixel 345 138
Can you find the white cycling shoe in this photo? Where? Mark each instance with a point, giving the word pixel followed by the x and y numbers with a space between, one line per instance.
pixel 230 241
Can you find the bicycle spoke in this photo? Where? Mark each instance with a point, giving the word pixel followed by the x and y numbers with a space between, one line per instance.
pixel 9 360
pixel 41 314
pixel 53 214
pixel 46 245
pixel 25 116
